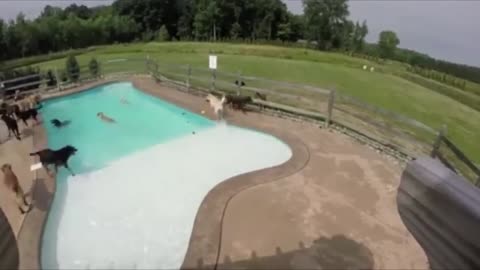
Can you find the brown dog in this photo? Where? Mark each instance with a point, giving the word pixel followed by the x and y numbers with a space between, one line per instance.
pixel 11 181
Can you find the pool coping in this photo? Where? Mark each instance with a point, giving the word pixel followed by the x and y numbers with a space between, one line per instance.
pixel 205 240
pixel 30 235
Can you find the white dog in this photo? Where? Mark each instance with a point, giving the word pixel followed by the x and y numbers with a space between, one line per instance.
pixel 217 105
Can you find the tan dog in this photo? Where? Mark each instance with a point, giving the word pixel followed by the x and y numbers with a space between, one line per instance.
pixel 216 104
pixel 105 118
pixel 11 181
pixel 29 102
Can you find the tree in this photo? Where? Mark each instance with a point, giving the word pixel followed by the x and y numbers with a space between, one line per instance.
pixel 205 21
pixel 297 26
pixel 3 45
pixel 236 31
pixel 72 68
pixel 359 34
pixel 94 67
pixel 387 43
pixel 284 31
pixel 324 20
pixel 162 34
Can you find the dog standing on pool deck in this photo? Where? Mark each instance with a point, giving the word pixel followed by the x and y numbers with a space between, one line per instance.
pixel 56 157
pixel 12 126
pixel 216 104
pixel 25 115
pixel 11 181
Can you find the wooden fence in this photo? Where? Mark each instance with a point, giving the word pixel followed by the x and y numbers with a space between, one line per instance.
pixel 398 133
pixel 390 131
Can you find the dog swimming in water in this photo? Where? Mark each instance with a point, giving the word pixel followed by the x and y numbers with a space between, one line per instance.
pixel 59 124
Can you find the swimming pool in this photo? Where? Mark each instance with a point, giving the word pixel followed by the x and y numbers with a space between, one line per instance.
pixel 140 181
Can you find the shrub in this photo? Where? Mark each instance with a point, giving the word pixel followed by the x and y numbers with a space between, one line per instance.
pixel 93 67
pixel 52 81
pixel 72 68
pixel 163 34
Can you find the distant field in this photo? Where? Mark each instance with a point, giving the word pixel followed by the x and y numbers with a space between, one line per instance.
pixel 325 70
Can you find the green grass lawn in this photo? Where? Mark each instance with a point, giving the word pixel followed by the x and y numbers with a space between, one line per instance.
pixel 325 70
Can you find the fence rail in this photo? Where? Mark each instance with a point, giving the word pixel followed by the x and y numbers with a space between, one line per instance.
pixel 454 158
pixel 395 131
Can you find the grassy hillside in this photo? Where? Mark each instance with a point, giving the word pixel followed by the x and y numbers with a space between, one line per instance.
pixel 326 70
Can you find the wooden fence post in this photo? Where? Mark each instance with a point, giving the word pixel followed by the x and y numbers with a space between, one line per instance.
pixel 331 101
pixel 438 141
pixel 57 78
pixel 189 73
pixel 239 83
pixel 214 77
pixel 147 64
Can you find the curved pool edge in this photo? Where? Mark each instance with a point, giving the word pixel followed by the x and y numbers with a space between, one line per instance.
pixel 43 192
pixel 205 239
pixel 29 238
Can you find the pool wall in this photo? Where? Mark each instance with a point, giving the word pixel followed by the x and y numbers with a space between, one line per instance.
pixel 205 239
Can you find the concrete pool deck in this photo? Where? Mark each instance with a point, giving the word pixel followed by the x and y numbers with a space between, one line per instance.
pixel 331 206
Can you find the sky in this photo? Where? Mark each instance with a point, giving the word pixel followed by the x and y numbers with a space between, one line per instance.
pixel 447 30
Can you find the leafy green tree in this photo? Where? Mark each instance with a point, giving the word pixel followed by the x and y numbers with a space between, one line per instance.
pixel 236 31
pixel 94 68
pixel 359 34
pixel 387 43
pixel 324 21
pixel 285 31
pixel 205 21
pixel 72 68
pixel 3 45
pixel 162 34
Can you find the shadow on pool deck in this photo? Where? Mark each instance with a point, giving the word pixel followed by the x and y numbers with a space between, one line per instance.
pixel 337 252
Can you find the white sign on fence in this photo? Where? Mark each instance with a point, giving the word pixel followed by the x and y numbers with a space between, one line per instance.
pixel 212 61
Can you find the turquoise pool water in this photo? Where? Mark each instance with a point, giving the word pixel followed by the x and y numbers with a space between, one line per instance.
pixel 139 182
pixel 144 122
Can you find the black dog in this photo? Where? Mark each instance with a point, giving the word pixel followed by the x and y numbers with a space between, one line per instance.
pixel 56 157
pixel 8 109
pixel 59 124
pixel 241 83
pixel 238 102
pixel 12 126
pixel 25 115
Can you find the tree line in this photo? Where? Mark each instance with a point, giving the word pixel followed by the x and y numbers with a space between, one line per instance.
pixel 324 24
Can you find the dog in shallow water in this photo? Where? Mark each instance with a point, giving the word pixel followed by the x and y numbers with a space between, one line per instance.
pixel 12 126
pixel 216 104
pixel 11 181
pixel 56 157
